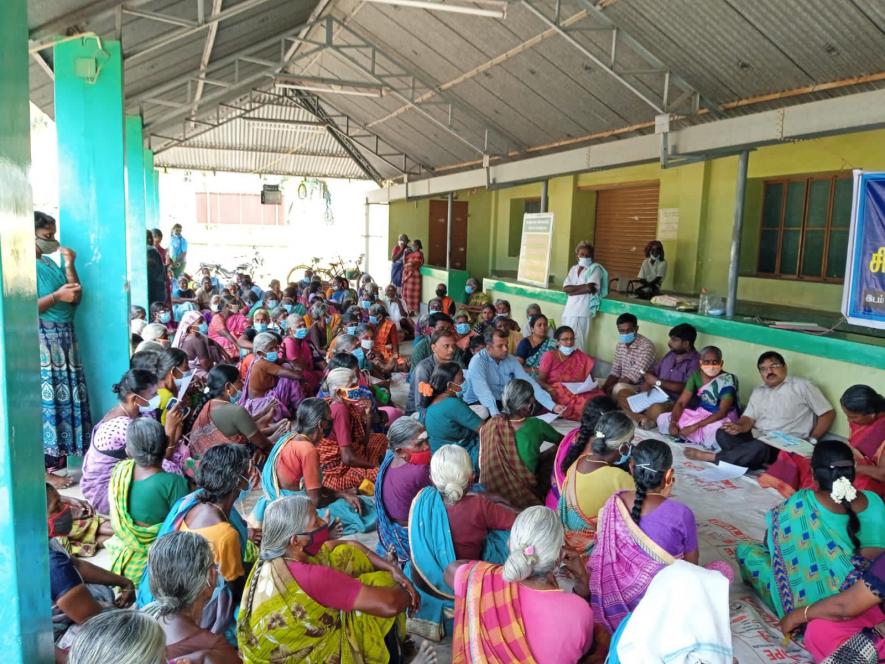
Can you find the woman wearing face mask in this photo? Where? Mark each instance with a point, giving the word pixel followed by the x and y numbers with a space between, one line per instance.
pixel 191 337
pixel 715 393
pixel 585 285
pixel 448 419
pixel 140 495
pixel 396 261
pixel 173 369
pixel 183 577
pixel 225 471
pixel 223 420
pixel 371 360
pixel 594 477
pixel 351 453
pixel 293 468
pixel 567 364
pixel 226 326
pixel 411 289
pixel 386 339
pixel 269 383
pixel 398 314
pixel 652 271
pixel 463 331
pixel 66 421
pixel 304 579
pixel 300 351
pixel 137 394
pixel 323 325
pixel 476 299
pixel 448 304
pixel 162 315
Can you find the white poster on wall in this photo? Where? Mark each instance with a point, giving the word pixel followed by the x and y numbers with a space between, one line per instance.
pixel 668 223
pixel 534 251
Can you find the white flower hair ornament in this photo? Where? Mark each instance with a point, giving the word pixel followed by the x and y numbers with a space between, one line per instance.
pixel 843 490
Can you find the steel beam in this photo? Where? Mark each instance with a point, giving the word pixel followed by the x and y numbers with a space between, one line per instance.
pixel 41 61
pixel 208 45
pixel 92 11
pixel 259 149
pixel 160 18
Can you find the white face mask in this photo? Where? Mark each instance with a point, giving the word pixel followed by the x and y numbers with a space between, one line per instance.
pixel 367 344
pixel 179 381
pixel 152 405
pixel 585 261
pixel 567 350
pixel 215 308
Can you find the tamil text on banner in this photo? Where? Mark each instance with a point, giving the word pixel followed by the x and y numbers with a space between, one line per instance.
pixel 863 299
pixel 534 251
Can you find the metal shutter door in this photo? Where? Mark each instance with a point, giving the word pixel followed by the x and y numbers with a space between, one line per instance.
pixel 626 220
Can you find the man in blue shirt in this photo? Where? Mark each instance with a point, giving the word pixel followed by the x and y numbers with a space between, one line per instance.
pixel 491 369
pixel 177 251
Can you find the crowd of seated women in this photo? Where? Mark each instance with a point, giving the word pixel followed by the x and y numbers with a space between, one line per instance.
pixel 494 530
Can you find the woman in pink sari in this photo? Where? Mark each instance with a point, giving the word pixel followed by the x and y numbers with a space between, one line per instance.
pixel 864 409
pixel 226 326
pixel 301 352
pixel 567 364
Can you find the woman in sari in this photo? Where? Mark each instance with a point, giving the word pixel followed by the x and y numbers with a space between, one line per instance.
pixel 448 419
pixel 476 299
pixel 183 577
pixel 65 403
pixel 140 494
pixel 567 364
pixel 532 348
pixel 842 628
pixel 510 460
pixel 350 454
pixel 517 613
pixel 575 443
pixel 202 352
pixel 74 524
pixel 226 326
pixel 323 326
pixel 404 472
pixel 396 260
pixel 293 468
pixel 715 393
pixel 593 478
pixel 446 523
pixel 411 289
pixel 864 408
pixel 268 383
pixel 386 339
pixel 300 351
pixel 318 600
pixel 225 471
pixel 814 542
pixel 122 636
pixel 137 395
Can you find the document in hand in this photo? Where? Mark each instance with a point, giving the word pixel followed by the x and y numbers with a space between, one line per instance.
pixel 640 402
pixel 580 388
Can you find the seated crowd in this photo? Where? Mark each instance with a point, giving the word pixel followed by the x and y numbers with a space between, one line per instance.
pixel 494 529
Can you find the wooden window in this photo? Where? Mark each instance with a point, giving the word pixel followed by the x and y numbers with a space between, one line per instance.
pixel 234 209
pixel 804 229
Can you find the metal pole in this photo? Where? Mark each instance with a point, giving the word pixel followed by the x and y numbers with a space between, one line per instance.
pixel 366 259
pixel 451 199
pixel 736 231
pixel 544 186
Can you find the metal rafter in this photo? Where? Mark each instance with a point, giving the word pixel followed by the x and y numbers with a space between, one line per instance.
pixel 264 150
pixel 97 10
pixel 208 45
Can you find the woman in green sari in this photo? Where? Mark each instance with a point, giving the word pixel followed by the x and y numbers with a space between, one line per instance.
pixel 315 600
pixel 817 542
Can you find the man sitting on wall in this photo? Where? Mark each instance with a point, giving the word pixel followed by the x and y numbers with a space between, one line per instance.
pixel 669 374
pixel 489 372
pixel 794 406
pixel 634 356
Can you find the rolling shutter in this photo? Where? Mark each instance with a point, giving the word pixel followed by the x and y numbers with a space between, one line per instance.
pixel 626 220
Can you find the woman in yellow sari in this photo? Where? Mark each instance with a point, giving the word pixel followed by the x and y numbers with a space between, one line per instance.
pixel 315 600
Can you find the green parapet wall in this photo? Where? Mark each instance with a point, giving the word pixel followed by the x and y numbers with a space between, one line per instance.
pixel 454 280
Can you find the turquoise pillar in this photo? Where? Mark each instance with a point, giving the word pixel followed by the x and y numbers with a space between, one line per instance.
pixel 26 632
pixel 136 224
pixel 153 220
pixel 157 200
pixel 92 204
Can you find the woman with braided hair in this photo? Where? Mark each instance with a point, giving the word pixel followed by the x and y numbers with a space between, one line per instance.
pixel 830 534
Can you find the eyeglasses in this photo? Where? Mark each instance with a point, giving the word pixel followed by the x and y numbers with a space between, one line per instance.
pixel 711 363
pixel 775 365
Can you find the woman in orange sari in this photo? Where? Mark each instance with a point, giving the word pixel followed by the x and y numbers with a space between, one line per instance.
pixel 386 339
pixel 412 263
pixel 864 409
pixel 567 364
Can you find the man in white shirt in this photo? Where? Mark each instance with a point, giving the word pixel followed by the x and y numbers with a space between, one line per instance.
pixel 583 281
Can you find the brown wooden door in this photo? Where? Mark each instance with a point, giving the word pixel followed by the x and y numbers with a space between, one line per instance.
pixel 437 235
pixel 626 220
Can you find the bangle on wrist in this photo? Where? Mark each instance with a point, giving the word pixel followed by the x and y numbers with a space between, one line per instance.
pixel 806 612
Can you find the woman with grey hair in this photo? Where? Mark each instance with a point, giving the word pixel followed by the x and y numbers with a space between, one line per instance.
pixel 447 522
pixel 325 599
pixel 140 495
pixel 323 325
pixel 123 636
pixel 404 472
pixel 521 602
pixel 386 338
pixel 510 459
pixel 300 351
pixel 183 577
pixel 293 468
pixel 269 382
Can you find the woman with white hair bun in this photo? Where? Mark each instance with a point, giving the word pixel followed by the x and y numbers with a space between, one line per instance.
pixel 517 612
pixel 447 522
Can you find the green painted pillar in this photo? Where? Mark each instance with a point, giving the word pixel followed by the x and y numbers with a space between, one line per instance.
pixel 136 224
pixel 26 633
pixel 92 204
pixel 156 191
pixel 149 195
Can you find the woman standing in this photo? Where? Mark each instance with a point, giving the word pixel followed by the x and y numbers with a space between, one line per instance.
pixel 413 261
pixel 396 261
pixel 65 403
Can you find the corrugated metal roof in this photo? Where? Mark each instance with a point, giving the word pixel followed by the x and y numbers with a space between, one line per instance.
pixel 516 86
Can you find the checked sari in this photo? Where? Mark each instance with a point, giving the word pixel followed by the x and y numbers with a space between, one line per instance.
pixel 130 543
pixel 501 471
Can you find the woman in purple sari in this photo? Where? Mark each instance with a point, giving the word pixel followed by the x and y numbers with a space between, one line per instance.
pixel 269 383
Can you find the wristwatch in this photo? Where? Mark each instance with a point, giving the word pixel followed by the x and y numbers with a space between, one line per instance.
pixel 812 440
pixel 658 383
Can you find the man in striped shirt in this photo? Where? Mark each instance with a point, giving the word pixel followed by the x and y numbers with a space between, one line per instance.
pixel 634 355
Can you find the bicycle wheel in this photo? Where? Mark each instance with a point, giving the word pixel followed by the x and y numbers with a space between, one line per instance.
pixel 292 277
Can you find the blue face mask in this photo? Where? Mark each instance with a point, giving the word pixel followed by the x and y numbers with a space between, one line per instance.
pixel 260 327
pixel 236 396
pixel 283 325
pixel 360 356
pixel 244 352
pixel 469 290
pixel 272 304
pixel 365 304
pixel 203 328
pixel 462 328
pixel 165 317
pixel 351 330
pixel 625 456
pixel 627 338
pixel 272 357
pixel 301 333
pixel 288 308
pixel 373 320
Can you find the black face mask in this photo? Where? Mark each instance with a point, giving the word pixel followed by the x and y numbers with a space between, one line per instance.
pixel 440 293
pixel 327 428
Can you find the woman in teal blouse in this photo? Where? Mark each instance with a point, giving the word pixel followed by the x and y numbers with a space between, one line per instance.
pixel 447 419
pixel 66 422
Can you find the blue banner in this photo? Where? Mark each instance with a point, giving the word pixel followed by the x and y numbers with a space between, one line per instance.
pixel 863 301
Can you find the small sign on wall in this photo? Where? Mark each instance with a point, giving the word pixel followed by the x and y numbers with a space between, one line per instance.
pixel 863 296
pixel 535 248
pixel 668 223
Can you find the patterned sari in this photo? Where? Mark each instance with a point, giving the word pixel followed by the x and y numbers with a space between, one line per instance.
pixel 572 369
pixel 216 326
pixel 130 543
pixel 558 477
pixel 391 535
pixel 280 623
pixel 580 528
pixel 501 471
pixel 622 564
pixel 383 338
pixel 488 625
pixel 412 280
pixel 802 558
pixel 337 476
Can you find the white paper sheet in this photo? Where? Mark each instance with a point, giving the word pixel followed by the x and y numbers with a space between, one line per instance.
pixel 587 385
pixel 184 385
pixel 721 472
pixel 548 417
pixel 643 400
